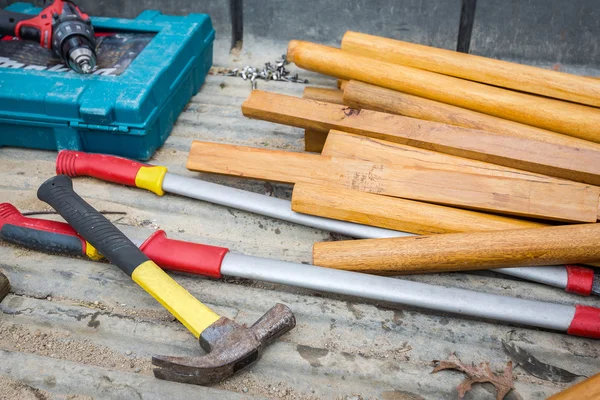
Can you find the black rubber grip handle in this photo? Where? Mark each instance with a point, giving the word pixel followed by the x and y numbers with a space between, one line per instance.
pixel 9 21
pixel 90 224
pixel 48 242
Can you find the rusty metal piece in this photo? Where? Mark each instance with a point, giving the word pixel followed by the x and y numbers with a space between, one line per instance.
pixel 4 286
pixel 229 346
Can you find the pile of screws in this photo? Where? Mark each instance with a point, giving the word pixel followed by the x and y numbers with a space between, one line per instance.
pixel 270 72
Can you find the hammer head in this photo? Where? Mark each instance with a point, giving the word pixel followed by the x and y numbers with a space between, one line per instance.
pixel 229 346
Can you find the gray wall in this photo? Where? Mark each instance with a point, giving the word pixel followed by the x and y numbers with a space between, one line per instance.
pixel 540 31
pixel 553 31
pixel 432 22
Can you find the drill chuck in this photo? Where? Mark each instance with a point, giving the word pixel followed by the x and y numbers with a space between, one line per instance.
pixel 73 39
pixel 79 53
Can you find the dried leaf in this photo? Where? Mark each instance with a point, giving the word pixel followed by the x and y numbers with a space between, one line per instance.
pixel 478 374
pixel 535 367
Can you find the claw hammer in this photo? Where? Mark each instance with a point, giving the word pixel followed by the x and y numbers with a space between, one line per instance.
pixel 230 346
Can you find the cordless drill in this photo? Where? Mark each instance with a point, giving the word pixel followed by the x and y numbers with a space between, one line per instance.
pixel 61 27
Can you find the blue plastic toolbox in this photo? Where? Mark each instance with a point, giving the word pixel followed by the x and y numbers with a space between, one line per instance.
pixel 130 114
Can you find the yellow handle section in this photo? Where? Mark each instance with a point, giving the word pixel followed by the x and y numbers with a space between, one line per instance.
pixel 185 307
pixel 92 253
pixel 151 178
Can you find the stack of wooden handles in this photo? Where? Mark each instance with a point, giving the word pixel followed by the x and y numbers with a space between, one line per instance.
pixel 481 156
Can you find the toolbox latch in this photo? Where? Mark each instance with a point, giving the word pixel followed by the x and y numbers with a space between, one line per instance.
pixel 92 127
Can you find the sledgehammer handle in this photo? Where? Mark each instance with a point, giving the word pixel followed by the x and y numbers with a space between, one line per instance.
pixel 119 250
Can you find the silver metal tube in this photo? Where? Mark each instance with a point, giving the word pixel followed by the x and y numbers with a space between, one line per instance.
pixel 459 301
pixel 281 209
pixel 268 206
pixel 552 276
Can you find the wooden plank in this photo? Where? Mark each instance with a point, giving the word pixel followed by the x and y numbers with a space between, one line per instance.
pixel 314 140
pixel 334 96
pixel 551 114
pixel 582 165
pixel 370 97
pixel 524 78
pixel 331 201
pixel 566 201
pixel 554 245
pixel 347 145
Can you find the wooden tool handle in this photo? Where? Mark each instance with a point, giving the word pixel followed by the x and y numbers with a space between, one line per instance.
pixel 587 389
pixel 463 251
pixel 554 115
pixel 370 97
pixel 520 77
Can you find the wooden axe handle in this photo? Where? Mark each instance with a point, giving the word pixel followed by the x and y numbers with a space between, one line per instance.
pixel 587 389
pixel 525 78
pixel 555 245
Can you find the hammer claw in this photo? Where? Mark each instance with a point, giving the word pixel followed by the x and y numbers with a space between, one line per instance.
pixel 230 347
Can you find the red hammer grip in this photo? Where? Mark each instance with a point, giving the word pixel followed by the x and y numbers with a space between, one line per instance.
pixel 176 255
pixel 101 166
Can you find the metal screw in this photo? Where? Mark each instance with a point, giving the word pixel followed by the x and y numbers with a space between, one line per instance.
pixel 275 71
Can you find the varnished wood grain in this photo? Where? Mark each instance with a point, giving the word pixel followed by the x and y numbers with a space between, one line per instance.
pixel 582 165
pixel 334 96
pixel 551 114
pixel 566 201
pixel 347 145
pixel 463 251
pixel 500 73
pixel 330 201
pixel 370 97
pixel 314 140
pixel 587 389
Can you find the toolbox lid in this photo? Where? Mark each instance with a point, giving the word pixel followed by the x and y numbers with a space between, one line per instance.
pixel 131 100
